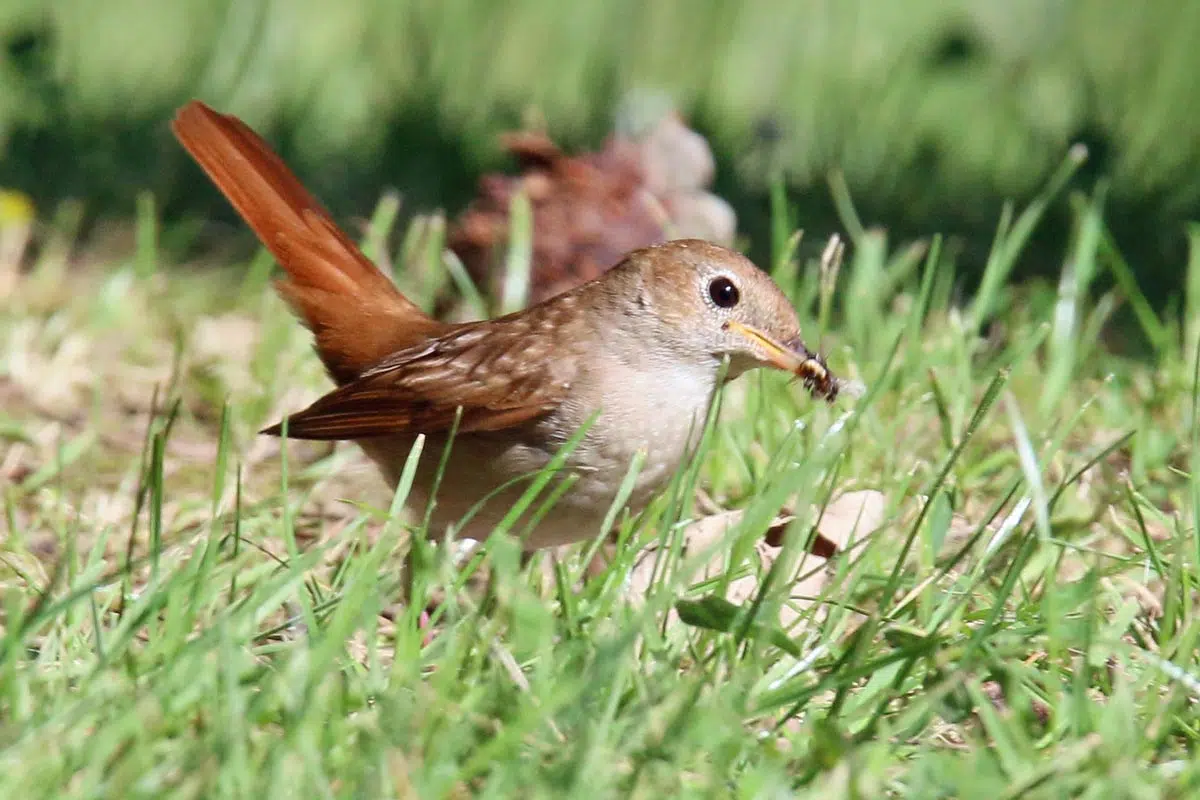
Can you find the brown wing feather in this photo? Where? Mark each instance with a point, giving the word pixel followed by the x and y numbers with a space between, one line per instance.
pixel 500 373
pixel 357 314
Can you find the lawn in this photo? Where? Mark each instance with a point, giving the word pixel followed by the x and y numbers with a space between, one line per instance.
pixel 191 610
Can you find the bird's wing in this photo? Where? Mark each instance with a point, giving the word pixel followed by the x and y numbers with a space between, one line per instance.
pixel 500 373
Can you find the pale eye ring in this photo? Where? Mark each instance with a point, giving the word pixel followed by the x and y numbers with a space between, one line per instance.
pixel 723 292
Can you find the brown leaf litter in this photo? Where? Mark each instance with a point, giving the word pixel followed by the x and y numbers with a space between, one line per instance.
pixel 589 210
pixel 849 518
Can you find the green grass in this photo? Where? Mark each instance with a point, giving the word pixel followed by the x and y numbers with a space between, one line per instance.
pixel 933 111
pixel 961 94
pixel 187 613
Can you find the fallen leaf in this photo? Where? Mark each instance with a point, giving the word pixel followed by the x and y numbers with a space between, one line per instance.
pixel 590 209
pixel 703 534
pixel 852 516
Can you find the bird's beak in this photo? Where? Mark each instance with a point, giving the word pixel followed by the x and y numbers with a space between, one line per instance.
pixel 792 357
pixel 775 353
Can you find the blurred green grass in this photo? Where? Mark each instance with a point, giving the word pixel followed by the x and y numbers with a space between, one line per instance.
pixel 935 111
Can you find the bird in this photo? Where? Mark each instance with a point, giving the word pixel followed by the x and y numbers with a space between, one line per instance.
pixel 626 365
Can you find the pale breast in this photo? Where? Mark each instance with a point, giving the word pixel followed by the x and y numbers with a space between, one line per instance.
pixel 657 409
pixel 657 413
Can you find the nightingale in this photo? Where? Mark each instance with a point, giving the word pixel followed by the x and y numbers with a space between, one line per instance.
pixel 636 352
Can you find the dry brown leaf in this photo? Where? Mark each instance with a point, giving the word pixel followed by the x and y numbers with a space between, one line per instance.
pixel 850 517
pixel 590 209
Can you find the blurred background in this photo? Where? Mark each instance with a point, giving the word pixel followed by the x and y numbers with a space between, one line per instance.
pixel 932 112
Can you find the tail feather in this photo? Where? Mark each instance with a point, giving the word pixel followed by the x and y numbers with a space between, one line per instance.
pixel 357 315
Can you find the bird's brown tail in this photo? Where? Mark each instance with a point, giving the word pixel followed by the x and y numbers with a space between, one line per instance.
pixel 356 313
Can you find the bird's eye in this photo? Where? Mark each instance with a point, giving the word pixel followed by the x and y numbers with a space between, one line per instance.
pixel 723 292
